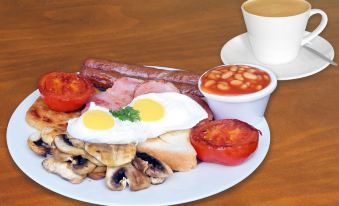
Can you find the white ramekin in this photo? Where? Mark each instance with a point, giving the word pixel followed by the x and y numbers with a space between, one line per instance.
pixel 249 108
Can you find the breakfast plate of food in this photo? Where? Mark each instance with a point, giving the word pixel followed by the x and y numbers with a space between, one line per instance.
pixel 119 134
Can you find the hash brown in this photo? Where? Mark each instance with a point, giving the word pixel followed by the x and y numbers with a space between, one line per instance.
pixel 39 116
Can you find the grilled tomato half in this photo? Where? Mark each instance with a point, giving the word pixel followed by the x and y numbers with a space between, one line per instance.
pixel 65 92
pixel 225 141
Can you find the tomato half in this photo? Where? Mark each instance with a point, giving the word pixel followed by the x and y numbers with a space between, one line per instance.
pixel 225 141
pixel 65 92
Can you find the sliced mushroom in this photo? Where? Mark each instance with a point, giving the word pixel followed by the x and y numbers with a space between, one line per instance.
pixel 37 145
pixel 77 143
pixel 81 165
pixel 93 160
pixel 68 145
pixel 60 156
pixel 63 169
pixel 136 179
pixel 98 173
pixel 151 166
pixel 117 177
pixel 112 155
pixel 48 134
pixel 157 180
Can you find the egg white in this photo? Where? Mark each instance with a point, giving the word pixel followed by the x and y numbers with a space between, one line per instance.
pixel 123 132
pixel 181 112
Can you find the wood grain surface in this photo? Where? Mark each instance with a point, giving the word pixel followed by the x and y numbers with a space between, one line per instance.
pixel 302 166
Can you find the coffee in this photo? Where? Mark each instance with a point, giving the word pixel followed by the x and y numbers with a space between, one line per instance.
pixel 276 28
pixel 276 8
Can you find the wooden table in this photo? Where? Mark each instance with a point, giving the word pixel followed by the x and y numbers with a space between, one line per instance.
pixel 302 166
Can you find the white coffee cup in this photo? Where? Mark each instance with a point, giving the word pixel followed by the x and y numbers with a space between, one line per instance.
pixel 277 39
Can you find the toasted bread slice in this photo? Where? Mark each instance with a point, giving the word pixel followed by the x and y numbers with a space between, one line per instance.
pixel 173 148
pixel 39 115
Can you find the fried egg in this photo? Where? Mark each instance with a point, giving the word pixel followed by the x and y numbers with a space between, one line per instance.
pixel 98 125
pixel 159 113
pixel 168 111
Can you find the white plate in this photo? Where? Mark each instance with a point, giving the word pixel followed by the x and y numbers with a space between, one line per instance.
pixel 205 180
pixel 238 50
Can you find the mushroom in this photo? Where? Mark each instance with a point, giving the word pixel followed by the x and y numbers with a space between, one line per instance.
pixel 98 173
pixel 157 180
pixel 117 177
pixel 157 170
pixel 69 145
pixel 112 155
pixel 48 134
pixel 136 179
pixel 60 156
pixel 93 160
pixel 73 146
pixel 37 145
pixel 63 169
pixel 81 165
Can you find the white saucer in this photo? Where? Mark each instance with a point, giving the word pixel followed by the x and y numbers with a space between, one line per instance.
pixel 238 50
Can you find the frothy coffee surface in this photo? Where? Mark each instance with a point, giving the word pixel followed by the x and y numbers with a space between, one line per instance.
pixel 276 8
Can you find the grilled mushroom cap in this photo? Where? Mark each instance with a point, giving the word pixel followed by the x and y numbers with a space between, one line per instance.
pixel 48 134
pixel 151 166
pixel 63 169
pixel 81 165
pixel 112 155
pixel 93 160
pixel 37 145
pixel 157 180
pixel 69 145
pixel 136 179
pixel 60 156
pixel 116 178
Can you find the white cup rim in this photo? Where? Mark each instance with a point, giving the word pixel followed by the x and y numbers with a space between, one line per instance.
pixel 243 97
pixel 276 17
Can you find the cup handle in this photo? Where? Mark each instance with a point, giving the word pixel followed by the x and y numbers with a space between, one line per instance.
pixel 320 27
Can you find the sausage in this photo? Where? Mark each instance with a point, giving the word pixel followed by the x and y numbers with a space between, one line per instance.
pixel 188 89
pixel 138 71
pixel 101 79
pixel 105 79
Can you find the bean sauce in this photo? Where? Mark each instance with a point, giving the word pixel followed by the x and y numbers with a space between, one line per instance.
pixel 234 80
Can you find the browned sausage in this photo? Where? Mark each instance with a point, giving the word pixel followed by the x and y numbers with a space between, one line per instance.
pixel 105 79
pixel 138 71
pixel 188 89
pixel 100 79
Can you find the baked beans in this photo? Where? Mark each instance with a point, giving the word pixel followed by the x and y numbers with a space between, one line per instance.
pixel 234 80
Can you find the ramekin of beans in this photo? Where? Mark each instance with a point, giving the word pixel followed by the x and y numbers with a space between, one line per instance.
pixel 239 91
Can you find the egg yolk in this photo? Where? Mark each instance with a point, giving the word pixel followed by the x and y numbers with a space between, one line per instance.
pixel 98 120
pixel 149 110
